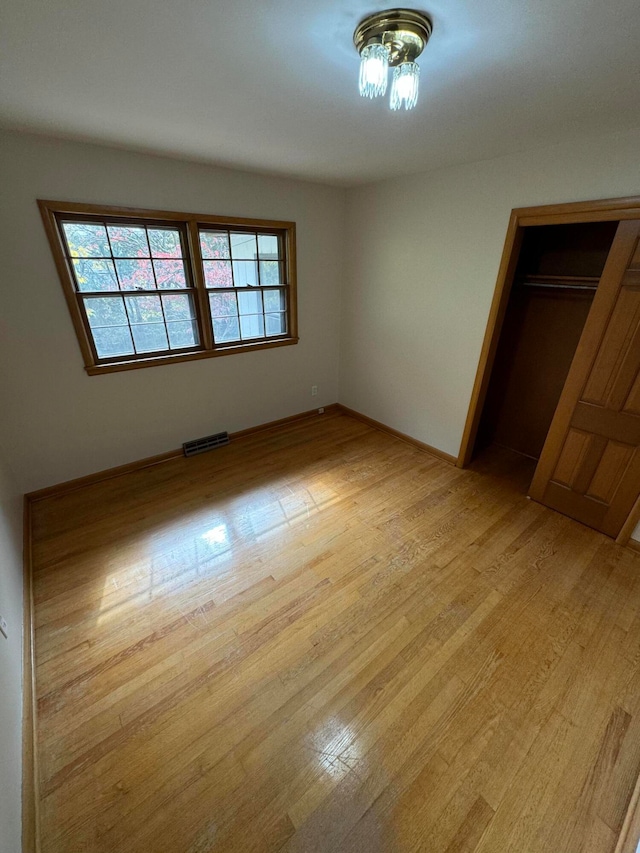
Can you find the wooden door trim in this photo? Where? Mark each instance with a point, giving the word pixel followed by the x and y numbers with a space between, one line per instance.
pixel 506 273
pixel 600 210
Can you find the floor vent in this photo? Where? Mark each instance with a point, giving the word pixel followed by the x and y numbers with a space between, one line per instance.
pixel 201 445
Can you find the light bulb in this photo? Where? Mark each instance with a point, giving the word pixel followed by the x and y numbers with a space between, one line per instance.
pixel 374 65
pixel 404 87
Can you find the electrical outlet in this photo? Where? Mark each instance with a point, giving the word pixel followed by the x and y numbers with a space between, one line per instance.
pixel 3 626
pixel 314 390
pixel 321 410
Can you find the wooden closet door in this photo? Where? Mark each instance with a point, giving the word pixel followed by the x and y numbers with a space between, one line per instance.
pixel 589 468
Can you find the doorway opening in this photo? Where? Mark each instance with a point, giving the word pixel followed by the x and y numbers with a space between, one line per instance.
pixel 557 274
pixel 558 382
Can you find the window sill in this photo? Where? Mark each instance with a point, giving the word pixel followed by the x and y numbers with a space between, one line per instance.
pixel 117 366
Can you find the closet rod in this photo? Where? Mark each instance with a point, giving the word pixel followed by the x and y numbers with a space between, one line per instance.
pixel 588 287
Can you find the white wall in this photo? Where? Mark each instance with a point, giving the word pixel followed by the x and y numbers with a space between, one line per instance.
pixel 10 663
pixel 61 423
pixel 423 258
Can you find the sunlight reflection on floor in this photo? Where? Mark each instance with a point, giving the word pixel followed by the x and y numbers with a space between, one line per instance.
pixel 205 546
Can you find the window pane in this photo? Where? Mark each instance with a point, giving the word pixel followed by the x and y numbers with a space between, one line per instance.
pixel 165 242
pixel 268 246
pixel 94 275
pixel 150 337
pixel 250 302
pixel 223 304
pixel 85 240
pixel 252 326
pixel 183 333
pixel 147 323
pixel 169 274
pixel 105 311
pixel 275 324
pixel 243 246
pixel 270 272
pixel 178 307
pixel 226 329
pixel 119 265
pixel 135 275
pixel 245 273
pixel 113 341
pixel 128 242
pixel 218 273
pixel 144 309
pixel 214 244
pixel 274 300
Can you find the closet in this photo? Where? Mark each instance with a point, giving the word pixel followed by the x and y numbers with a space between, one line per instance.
pixel 564 386
pixel 556 278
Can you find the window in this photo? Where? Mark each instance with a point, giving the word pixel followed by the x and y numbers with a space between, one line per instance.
pixel 148 287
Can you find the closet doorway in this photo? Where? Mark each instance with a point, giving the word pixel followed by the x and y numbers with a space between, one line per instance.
pixel 559 374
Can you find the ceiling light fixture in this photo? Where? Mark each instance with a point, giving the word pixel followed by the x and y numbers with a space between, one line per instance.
pixel 395 39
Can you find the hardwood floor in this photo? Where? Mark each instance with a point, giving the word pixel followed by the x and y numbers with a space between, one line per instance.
pixel 323 639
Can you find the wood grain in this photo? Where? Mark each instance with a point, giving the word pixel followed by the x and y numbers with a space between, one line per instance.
pixel 601 380
pixel 628 840
pixel 322 639
pixel 598 210
pixel 397 434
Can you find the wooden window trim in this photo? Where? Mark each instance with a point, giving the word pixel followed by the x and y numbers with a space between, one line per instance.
pixel 51 211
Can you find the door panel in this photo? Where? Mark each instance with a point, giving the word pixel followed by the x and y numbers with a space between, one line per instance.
pixel 609 471
pixel 590 464
pixel 633 402
pixel 572 457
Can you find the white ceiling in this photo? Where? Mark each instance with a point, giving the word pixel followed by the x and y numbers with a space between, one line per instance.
pixel 273 85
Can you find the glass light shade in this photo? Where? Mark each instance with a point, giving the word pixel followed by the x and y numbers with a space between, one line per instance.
pixel 404 87
pixel 374 66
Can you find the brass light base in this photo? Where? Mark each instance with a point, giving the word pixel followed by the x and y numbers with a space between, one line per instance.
pixel 404 31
